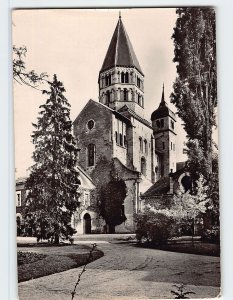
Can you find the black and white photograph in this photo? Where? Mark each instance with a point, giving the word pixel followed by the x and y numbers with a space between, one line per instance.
pixel 116 153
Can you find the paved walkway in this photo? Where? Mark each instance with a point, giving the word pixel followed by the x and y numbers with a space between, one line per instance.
pixel 129 272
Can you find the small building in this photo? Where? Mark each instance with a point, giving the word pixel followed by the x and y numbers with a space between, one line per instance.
pixel 83 219
pixel 160 194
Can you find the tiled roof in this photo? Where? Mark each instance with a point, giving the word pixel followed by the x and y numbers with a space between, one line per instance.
pixel 132 113
pixel 162 186
pixel 120 51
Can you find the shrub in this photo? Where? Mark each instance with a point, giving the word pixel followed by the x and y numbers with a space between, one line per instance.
pixel 211 235
pixel 155 228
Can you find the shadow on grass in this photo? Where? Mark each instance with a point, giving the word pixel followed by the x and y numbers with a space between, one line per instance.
pixel 33 264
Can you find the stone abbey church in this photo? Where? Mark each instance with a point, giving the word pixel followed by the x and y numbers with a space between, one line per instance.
pixel 115 139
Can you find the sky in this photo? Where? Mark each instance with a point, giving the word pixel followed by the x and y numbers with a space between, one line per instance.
pixel 73 44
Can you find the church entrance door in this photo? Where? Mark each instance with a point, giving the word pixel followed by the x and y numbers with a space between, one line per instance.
pixel 87 224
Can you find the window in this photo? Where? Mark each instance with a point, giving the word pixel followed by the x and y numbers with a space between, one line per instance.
pixel 162 123
pixel 122 77
pixel 163 145
pixel 158 123
pixel 125 95
pixel 18 198
pixel 145 145
pixel 107 98
pixel 116 136
pixel 140 144
pixel 142 100
pixel 143 166
pixel 121 140
pixel 86 198
pixel 91 155
pixel 126 77
pixel 138 82
pixel 108 80
pixel 172 124
pixel 125 142
pixel 90 124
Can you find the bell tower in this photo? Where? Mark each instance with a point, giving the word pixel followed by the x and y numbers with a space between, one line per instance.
pixel 121 80
pixel 164 130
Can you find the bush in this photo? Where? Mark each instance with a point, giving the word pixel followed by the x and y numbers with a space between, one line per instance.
pixel 211 235
pixel 155 228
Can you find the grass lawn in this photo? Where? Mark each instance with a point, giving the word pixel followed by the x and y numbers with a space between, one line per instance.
pixel 195 248
pixel 40 260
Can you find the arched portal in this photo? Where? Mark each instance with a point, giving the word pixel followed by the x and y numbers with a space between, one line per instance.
pixel 87 224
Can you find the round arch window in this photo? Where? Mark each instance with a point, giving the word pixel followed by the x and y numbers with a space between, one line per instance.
pixel 90 124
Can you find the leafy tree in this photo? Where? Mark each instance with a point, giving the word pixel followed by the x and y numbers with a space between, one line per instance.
pixel 20 72
pixel 195 88
pixel 111 204
pixel 53 182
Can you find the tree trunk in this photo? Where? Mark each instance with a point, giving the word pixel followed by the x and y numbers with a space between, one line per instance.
pixel 56 238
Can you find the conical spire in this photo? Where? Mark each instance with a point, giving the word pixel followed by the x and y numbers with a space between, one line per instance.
pixel 163 102
pixel 120 51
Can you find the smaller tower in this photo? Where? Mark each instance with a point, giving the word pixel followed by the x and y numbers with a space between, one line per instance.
pixel 164 124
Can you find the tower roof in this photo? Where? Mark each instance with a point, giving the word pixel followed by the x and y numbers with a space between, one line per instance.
pixel 120 51
pixel 163 110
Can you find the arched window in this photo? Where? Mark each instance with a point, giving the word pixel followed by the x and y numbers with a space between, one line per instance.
pixel 146 146
pixel 121 139
pixel 143 166
pixel 126 77
pixel 116 136
pixel 158 123
pixel 91 152
pixel 106 81
pixel 162 123
pixel 122 77
pixel 125 95
pixel 140 144
pixel 125 141
pixel 109 79
pixel 172 124
pixel 107 98
pixel 139 98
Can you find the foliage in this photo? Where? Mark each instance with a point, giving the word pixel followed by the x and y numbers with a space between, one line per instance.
pixel 111 204
pixel 53 182
pixel 195 88
pixel 186 207
pixel 211 235
pixel 20 72
pixel 155 227
pixel 180 293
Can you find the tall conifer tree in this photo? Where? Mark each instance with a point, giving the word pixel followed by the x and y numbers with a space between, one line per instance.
pixel 195 88
pixel 53 182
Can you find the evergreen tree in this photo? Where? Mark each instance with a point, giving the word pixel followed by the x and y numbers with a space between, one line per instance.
pixel 111 204
pixel 195 88
pixel 53 182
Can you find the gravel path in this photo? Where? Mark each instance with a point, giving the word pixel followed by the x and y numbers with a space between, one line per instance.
pixel 129 272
